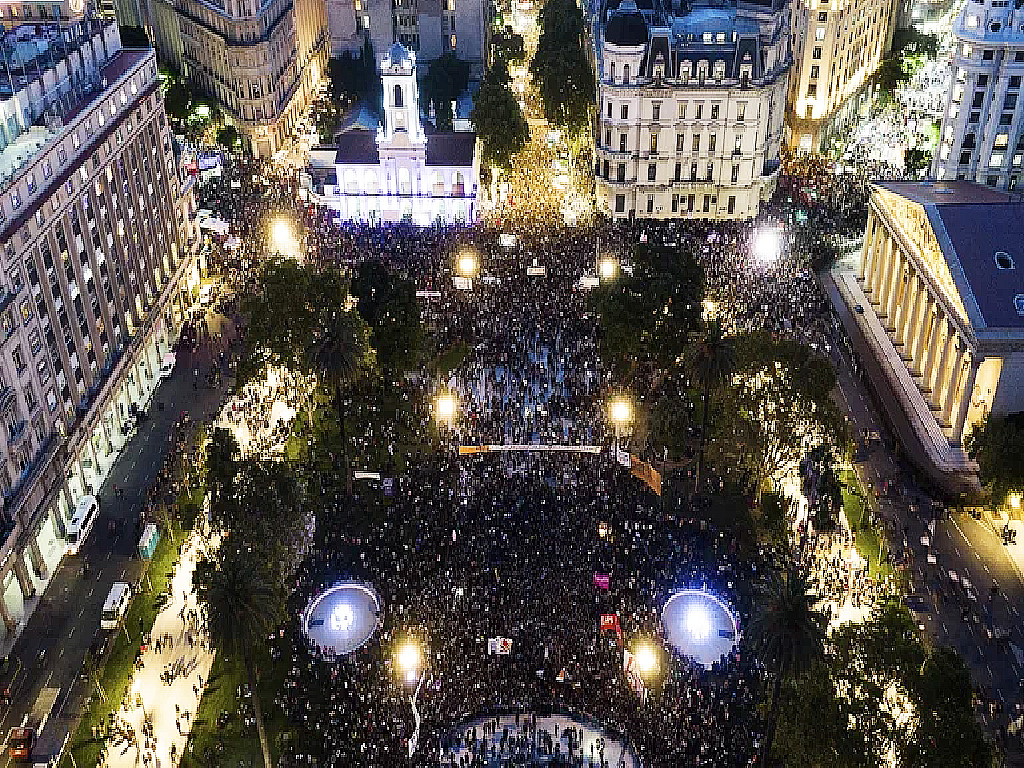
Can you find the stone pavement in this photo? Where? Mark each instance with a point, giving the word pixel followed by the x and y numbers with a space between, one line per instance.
pixel 168 707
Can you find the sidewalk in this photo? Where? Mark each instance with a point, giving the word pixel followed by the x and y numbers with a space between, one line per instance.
pixel 169 708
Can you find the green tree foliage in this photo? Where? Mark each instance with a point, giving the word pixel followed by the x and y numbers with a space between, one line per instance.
pixel 221 464
pixel 997 444
pixel 507 46
pixel 178 101
pixel 712 359
pixel 498 119
pixel 447 77
pixel 227 136
pixel 352 77
pixel 243 602
pixel 822 487
pixel 788 635
pixel 387 302
pixel 561 68
pixel 648 316
pixel 916 160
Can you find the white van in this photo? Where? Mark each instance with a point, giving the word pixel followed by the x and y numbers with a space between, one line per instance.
pixel 115 606
pixel 167 366
pixel 81 523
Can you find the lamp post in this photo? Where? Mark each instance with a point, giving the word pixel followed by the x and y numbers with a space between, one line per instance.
pixel 409 661
pixel 607 268
pixel 620 410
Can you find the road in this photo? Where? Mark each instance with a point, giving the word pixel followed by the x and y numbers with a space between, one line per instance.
pixel 960 548
pixel 53 645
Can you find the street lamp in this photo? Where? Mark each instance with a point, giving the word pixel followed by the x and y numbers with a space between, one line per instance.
pixel 409 661
pixel 607 268
pixel 467 264
pixel 283 239
pixel 621 412
pixel 444 408
pixel 767 244
pixel 646 659
pixel 1014 500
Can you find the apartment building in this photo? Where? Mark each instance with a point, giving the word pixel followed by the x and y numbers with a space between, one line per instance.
pixel 691 107
pixel 94 232
pixel 982 133
pixel 838 45
pixel 261 60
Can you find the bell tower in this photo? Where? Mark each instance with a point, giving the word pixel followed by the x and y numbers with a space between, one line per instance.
pixel 401 96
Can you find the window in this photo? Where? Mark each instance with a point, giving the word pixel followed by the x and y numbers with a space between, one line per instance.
pixel 682 110
pixel 620 172
pixel 995 160
pixel 625 73
pixel 608 137
pixel 650 203
pixel 707 203
pixel 1002 139
pixel 654 141
pixel 741 111
pixel 1015 81
pixel 965 157
pixel 680 142
pixel 609 109
pixel 1010 102
pixel 652 171
pixel 816 54
pixel 691 202
pixel 711 172
pixel 624 112
pixel 15 200
pixel 735 176
pixel 679 171
pixel 979 100
pixel 656 112
pixel 737 145
pixel 712 140
pixel 1003 260
pixel 819 34
pixel 812 90
pixel 714 111
pixel 700 111
pixel 620 203
pixel 815 70
pixel 399 98
pixel 622 142
pixel 982 81
pixel 693 171
pixel 19 358
pixel 696 142
pixel 822 17
pixel 987 54
pixel 732 204
pixel 675 203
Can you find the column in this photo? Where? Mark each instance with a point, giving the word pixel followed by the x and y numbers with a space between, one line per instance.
pixel 894 292
pixel 95 461
pixel 6 615
pixel 931 352
pixel 888 266
pixel 921 341
pixel 952 381
pixel 865 251
pixel 966 394
pixel 940 377
pixel 28 589
pixel 36 557
pixel 907 322
pixel 876 257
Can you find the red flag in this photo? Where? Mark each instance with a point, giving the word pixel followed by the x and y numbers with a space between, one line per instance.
pixel 610 621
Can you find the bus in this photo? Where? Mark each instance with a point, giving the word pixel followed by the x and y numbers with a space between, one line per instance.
pixel 116 605
pixel 82 521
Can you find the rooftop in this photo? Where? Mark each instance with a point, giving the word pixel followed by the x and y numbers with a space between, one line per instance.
pixel 945 192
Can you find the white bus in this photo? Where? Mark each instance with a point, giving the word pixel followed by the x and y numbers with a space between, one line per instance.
pixel 82 521
pixel 115 606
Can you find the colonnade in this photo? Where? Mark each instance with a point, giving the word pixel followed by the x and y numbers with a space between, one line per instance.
pixel 929 341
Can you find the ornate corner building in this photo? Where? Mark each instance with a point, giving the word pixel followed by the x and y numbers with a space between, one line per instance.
pixel 261 60
pixel 691 100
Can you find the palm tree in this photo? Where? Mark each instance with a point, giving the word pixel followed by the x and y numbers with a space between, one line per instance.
pixel 713 359
pixel 788 636
pixel 340 353
pixel 242 604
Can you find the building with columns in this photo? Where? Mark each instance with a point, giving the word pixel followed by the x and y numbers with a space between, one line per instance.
pixel 940 300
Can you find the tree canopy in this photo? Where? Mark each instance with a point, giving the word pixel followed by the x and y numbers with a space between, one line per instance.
pixel 387 302
pixel 447 77
pixel 561 67
pixel 498 119
pixel 997 444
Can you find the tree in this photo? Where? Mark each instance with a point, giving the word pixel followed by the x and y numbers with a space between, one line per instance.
pixel 242 603
pixel 823 489
pixel 340 352
pixel 508 47
pixel 561 68
pixel 788 636
pixel 997 444
pixel 713 360
pixel 227 136
pixel 221 464
pixel 916 160
pixel 447 77
pixel 387 302
pixel 498 119
pixel 178 101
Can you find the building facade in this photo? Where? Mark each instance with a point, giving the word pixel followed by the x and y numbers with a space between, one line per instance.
pixel 944 312
pixel 262 60
pixel 94 230
pixel 400 172
pixel 428 28
pixel 982 134
pixel 691 108
pixel 837 47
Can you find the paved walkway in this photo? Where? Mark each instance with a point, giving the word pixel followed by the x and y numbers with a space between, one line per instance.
pixel 167 707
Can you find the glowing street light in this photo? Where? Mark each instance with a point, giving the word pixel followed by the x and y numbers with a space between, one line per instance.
pixel 767 244
pixel 467 264
pixel 646 659
pixel 621 411
pixel 698 623
pixel 607 268
pixel 283 239
pixel 409 661
pixel 444 408
pixel 1014 500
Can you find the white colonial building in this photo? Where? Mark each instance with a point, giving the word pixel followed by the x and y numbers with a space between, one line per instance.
pixel 692 102
pixel 401 172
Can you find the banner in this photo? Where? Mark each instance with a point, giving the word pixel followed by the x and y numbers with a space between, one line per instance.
pixel 623 457
pixel 536 271
pixel 610 623
pixel 602 581
pixel 647 473
pixel 502 646
pixel 562 676
pixel 470 449
pixel 633 678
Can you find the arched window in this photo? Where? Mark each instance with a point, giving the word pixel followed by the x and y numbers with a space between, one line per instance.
pixel 399 102
pixel 625 73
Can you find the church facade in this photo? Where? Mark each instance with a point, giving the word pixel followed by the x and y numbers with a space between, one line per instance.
pixel 401 172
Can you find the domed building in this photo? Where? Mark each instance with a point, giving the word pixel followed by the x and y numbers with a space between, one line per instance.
pixel 692 102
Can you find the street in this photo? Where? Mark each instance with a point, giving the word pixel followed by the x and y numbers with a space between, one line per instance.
pixel 51 649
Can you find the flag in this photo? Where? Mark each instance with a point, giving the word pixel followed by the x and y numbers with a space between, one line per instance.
pixel 562 676
pixel 647 473
pixel 602 581
pixel 502 646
